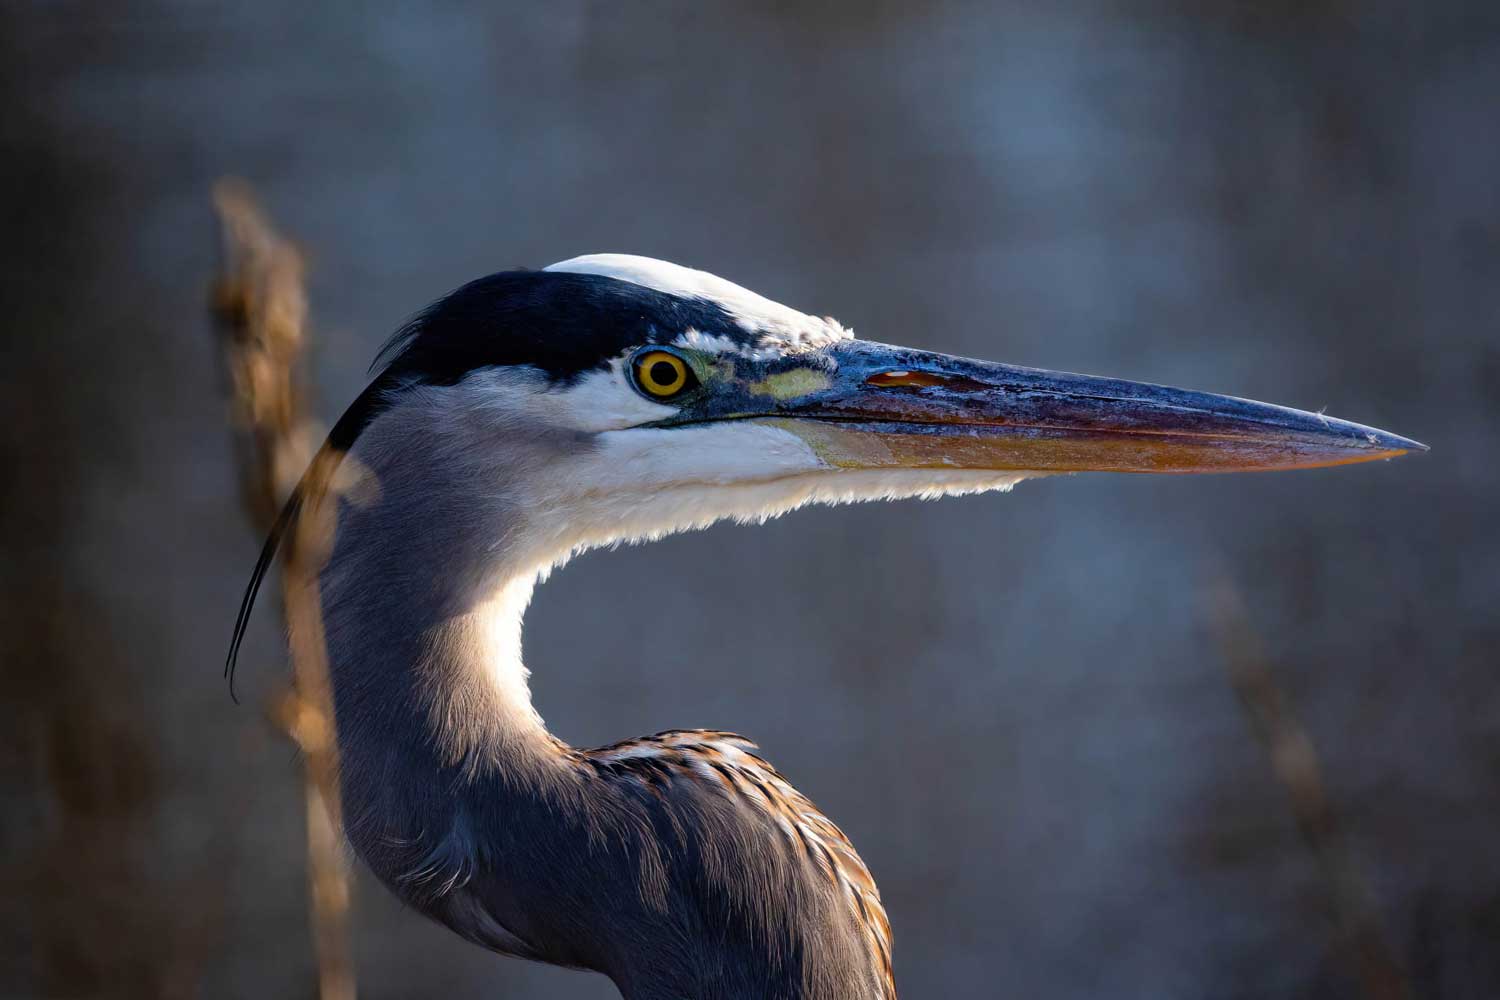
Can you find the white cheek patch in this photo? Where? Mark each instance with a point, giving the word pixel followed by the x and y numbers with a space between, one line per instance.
pixel 602 400
pixel 648 460
pixel 641 484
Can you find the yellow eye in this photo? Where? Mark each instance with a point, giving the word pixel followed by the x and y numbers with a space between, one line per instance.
pixel 662 374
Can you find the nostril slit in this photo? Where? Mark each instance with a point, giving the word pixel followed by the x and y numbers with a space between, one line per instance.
pixel 899 378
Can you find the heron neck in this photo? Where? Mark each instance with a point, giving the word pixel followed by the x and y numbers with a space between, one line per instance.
pixel 423 620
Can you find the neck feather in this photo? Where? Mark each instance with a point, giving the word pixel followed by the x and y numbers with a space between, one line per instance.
pixel 422 601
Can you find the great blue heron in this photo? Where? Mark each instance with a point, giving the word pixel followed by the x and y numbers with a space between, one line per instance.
pixel 531 415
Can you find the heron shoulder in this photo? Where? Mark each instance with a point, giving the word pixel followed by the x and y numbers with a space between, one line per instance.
pixel 728 768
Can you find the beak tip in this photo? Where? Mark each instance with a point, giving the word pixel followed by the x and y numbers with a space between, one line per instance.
pixel 1352 439
pixel 1395 444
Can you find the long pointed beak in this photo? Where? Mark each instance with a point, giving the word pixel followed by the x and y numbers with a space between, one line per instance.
pixel 888 406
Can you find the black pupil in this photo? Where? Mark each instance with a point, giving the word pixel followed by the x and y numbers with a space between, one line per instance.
pixel 662 373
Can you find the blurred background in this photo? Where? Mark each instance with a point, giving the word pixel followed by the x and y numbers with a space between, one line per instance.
pixel 1025 710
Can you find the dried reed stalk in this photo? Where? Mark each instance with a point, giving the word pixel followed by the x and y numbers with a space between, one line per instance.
pixel 261 305
pixel 1359 936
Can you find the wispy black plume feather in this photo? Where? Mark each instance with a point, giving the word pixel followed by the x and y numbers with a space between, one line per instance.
pixel 314 484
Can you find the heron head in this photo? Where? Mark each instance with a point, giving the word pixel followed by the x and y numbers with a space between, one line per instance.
pixel 613 398
pixel 626 398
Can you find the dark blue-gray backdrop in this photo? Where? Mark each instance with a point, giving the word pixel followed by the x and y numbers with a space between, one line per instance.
pixel 1017 706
